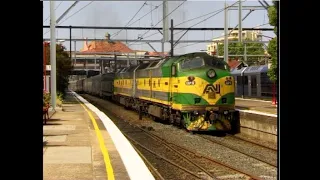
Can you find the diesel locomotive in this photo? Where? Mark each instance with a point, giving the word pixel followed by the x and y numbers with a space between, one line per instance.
pixel 195 91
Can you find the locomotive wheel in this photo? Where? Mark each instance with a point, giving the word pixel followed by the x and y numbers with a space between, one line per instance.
pixel 171 118
pixel 179 121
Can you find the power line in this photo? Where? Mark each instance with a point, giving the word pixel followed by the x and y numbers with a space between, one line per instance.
pixel 115 34
pixel 155 28
pixel 217 12
pixel 54 9
pixel 244 29
pixel 71 15
pixel 202 20
pixel 76 12
pixel 187 21
pixel 197 17
pixel 211 41
pixel 141 37
pixel 156 7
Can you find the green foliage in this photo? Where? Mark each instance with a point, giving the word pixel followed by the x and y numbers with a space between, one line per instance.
pixel 238 49
pixel 272 50
pixel 46 97
pixel 272 14
pixel 272 47
pixel 64 66
pixel 60 96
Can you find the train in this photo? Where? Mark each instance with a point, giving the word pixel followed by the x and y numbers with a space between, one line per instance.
pixel 195 91
pixel 253 82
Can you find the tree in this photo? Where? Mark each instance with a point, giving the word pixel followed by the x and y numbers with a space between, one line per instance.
pixel 64 66
pixel 272 47
pixel 238 49
pixel 272 50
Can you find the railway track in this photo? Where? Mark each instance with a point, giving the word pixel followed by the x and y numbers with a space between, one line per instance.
pixel 257 144
pixel 239 151
pixel 186 161
pixel 205 160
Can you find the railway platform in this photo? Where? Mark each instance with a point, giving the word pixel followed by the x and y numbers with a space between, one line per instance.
pixel 256 106
pixel 81 142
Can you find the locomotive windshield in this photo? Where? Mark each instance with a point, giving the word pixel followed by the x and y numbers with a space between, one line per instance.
pixel 192 63
pixel 216 62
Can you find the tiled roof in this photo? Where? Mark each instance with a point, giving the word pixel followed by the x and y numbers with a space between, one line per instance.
pixel 233 63
pixel 105 46
pixel 157 53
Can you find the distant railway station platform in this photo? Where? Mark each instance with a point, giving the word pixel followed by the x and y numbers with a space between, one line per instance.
pixel 256 106
pixel 82 143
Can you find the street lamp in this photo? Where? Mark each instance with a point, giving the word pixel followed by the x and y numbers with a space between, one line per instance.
pixel 61 41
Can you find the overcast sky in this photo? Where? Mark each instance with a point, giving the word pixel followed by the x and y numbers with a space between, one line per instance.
pixel 119 13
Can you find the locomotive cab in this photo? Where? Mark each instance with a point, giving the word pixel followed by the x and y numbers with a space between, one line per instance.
pixel 203 91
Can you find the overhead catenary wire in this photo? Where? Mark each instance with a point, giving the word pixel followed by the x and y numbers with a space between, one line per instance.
pixel 215 37
pixel 115 34
pixel 76 12
pixel 165 16
pixel 141 37
pixel 156 7
pixel 186 22
pixel 54 9
pixel 72 15
pixel 216 12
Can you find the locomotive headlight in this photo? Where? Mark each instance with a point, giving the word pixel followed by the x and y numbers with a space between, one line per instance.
pixel 211 73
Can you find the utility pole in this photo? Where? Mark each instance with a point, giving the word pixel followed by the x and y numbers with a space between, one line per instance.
pixel 70 43
pixel 165 24
pixel 226 33
pixel 240 21
pixel 66 12
pixel 53 54
pixel 171 37
pixel 75 52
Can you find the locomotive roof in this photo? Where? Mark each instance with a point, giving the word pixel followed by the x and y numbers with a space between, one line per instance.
pixel 250 70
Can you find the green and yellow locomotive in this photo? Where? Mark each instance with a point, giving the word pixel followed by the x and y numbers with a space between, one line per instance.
pixel 194 91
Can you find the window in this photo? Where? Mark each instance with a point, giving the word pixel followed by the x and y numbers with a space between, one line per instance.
pixel 192 63
pixel 216 62
pixel 173 70
pixel 153 64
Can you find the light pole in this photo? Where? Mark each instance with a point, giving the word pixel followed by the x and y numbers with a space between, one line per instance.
pixel 53 54
pixel 45 45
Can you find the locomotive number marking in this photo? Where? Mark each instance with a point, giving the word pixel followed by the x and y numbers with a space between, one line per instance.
pixel 212 95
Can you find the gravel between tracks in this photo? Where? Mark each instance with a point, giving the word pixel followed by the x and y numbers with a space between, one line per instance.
pixel 262 142
pixel 262 153
pixel 181 138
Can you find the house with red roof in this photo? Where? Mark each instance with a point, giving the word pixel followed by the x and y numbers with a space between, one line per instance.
pixel 106 46
pixel 92 52
pixel 236 64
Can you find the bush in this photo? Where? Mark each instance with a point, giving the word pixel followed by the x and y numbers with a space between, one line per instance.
pixel 47 98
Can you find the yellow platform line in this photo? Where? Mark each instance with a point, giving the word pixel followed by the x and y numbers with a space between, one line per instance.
pixel 102 145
